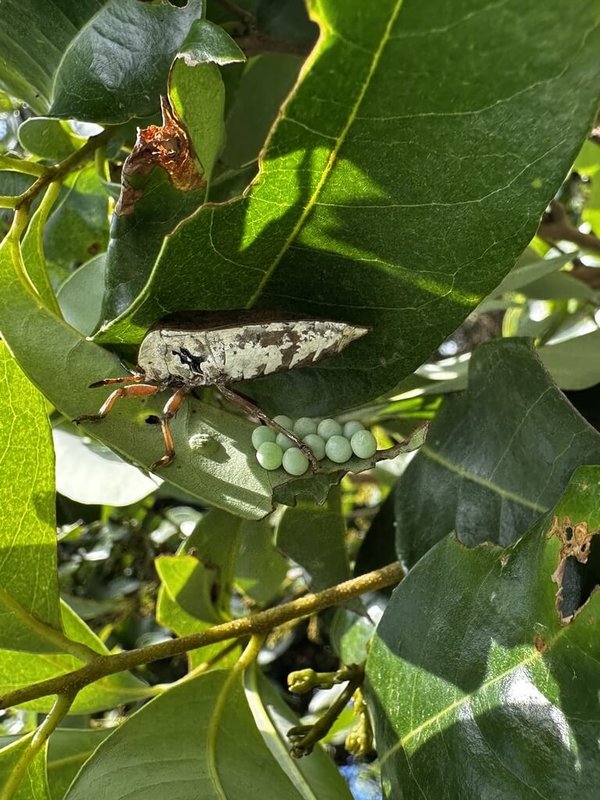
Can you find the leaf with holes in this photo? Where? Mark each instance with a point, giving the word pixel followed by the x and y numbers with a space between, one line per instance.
pixel 483 673
pixel 496 457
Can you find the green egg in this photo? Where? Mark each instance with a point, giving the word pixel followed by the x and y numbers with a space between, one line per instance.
pixel 328 428
pixel 351 427
pixel 304 426
pixel 261 435
pixel 284 441
pixel 295 462
pixel 316 444
pixel 285 422
pixel 338 449
pixel 269 455
pixel 364 444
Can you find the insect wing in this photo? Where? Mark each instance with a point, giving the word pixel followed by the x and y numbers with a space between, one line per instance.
pixel 240 352
pixel 254 350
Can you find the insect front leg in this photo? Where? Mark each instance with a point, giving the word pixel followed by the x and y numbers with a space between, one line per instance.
pixel 139 390
pixel 251 408
pixel 171 408
pixel 137 378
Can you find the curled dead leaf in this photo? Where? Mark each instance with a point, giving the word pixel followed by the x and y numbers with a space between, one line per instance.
pixel 166 146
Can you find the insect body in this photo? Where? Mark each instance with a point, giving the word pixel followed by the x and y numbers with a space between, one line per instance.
pixel 192 349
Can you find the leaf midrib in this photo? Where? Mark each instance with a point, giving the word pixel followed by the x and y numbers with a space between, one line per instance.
pixel 479 480
pixel 334 152
pixel 440 715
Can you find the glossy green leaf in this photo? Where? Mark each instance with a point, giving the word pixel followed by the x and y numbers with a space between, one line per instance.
pixel 19 669
pixel 260 569
pixel 34 256
pixel 196 89
pixel 477 687
pixel 78 225
pixel 208 747
pixel 28 72
pixel 496 457
pixel 136 237
pixel 588 164
pixel 222 471
pixel 115 483
pixel 80 296
pixel 48 138
pixel 265 83
pixel 116 67
pixel 240 554
pixel 315 777
pixel 532 269
pixel 378 546
pixel 29 602
pixel 32 785
pixel 559 286
pixel 574 363
pixel 315 537
pixel 286 19
pixel 358 214
pixel 68 750
pixel 185 605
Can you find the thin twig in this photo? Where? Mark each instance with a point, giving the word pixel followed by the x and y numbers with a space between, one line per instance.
pixel 245 16
pixel 52 721
pixel 260 623
pixel 60 170
pixel 555 227
pixel 22 165
pixel 254 43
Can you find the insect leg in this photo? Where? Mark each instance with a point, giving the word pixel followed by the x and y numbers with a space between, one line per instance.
pixel 111 381
pixel 171 408
pixel 141 390
pixel 251 408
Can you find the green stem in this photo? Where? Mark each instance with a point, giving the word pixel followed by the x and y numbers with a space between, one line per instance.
pixel 260 623
pixel 32 249
pixel 70 163
pixel 8 201
pixel 40 737
pixel 44 631
pixel 12 164
pixel 304 745
pixel 101 164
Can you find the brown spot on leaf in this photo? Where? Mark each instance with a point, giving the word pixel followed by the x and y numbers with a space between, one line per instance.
pixel 577 575
pixel 166 146
pixel 540 643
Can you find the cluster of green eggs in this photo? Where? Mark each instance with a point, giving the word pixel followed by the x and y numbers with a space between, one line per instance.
pixel 325 437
